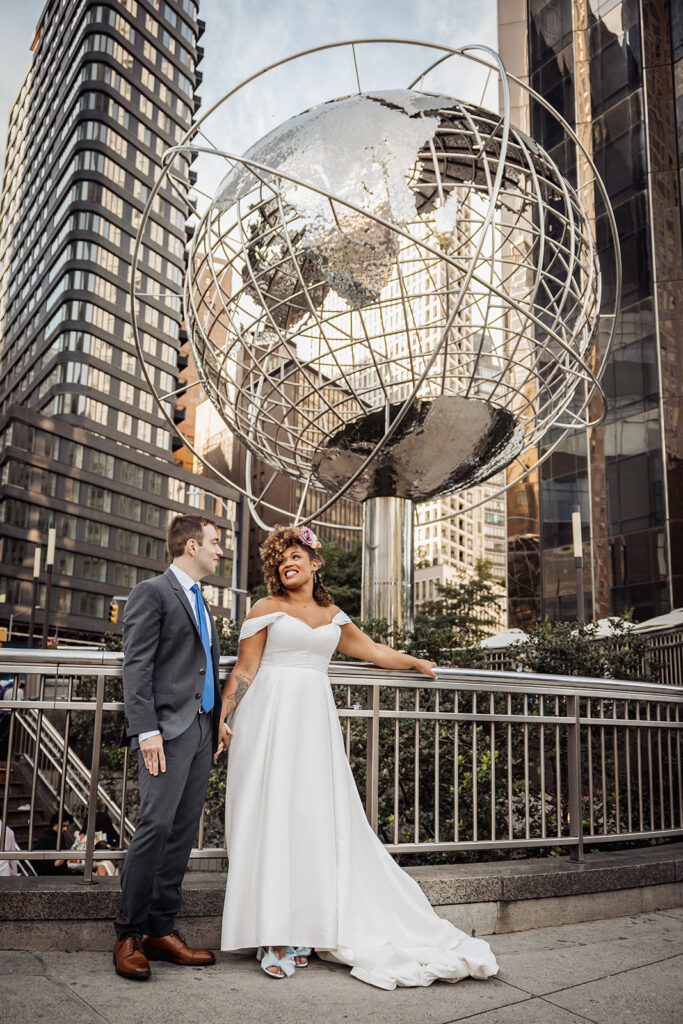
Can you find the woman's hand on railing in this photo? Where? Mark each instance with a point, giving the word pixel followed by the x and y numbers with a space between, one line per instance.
pixel 426 667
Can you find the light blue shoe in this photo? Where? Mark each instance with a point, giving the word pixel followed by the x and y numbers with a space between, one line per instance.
pixel 268 959
pixel 304 951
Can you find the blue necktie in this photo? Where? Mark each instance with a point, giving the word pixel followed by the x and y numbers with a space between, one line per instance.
pixel 208 694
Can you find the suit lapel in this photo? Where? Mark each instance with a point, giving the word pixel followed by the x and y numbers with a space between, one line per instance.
pixel 179 591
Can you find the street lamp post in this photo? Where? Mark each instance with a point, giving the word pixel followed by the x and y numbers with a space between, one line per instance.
pixel 49 565
pixel 578 562
pixel 34 595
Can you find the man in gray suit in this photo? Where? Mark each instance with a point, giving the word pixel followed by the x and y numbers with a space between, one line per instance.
pixel 172 705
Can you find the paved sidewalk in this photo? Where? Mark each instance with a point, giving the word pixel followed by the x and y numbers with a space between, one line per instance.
pixel 607 972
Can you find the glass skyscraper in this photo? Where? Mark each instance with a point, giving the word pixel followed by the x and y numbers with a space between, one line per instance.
pixel 614 70
pixel 83 446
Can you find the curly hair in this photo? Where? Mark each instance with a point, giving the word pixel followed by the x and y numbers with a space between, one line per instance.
pixel 272 550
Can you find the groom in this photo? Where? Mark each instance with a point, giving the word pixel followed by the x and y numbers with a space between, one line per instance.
pixel 172 706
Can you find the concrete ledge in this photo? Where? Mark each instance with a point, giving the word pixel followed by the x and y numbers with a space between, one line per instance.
pixel 483 899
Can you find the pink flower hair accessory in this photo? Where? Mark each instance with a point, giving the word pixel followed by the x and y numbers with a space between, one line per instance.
pixel 306 537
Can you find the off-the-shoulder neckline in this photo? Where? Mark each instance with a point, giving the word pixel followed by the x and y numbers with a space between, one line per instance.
pixel 296 618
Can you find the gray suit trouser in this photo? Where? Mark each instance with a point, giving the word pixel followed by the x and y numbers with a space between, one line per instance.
pixel 170 807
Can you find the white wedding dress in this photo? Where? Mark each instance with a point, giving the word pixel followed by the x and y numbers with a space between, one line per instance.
pixel 305 868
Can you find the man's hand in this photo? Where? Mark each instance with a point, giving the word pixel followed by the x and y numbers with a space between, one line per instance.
pixel 224 734
pixel 153 754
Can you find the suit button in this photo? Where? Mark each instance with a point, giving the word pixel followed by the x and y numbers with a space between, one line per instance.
pixel 197 696
pixel 202 671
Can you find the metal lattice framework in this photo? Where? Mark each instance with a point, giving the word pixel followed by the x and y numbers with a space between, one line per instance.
pixel 465 266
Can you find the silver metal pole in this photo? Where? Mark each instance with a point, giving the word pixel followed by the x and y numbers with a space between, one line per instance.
pixel 387 588
pixel 577 542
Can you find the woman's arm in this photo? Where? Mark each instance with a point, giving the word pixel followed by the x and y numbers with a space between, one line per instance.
pixel 356 644
pixel 240 679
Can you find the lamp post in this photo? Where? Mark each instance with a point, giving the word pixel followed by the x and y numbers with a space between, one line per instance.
pixel 49 565
pixel 578 562
pixel 34 595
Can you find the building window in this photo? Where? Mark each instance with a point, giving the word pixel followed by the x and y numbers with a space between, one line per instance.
pixel 125 575
pixel 98 498
pixel 96 533
pixel 130 508
pixel 71 489
pixel 102 464
pixel 91 604
pixel 94 569
pixel 132 475
pixel 64 563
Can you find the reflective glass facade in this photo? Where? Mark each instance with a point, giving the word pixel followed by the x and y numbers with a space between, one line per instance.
pixel 613 71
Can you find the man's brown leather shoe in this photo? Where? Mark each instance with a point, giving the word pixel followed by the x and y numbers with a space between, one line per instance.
pixel 175 950
pixel 130 960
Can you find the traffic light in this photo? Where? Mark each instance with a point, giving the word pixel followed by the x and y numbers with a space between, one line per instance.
pixel 114 612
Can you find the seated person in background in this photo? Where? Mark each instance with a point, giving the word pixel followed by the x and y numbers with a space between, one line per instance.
pixel 104 824
pixel 48 841
pixel 104 867
pixel 9 867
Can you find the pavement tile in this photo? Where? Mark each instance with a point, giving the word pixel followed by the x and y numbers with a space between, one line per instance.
pixel 322 994
pixel 45 1001
pixel 586 932
pixel 652 994
pixel 531 1011
pixel 19 962
pixel 581 958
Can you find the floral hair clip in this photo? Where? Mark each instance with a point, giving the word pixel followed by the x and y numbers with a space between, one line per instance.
pixel 306 537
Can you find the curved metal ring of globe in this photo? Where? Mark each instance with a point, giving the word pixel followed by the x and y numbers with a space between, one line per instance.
pixel 350 261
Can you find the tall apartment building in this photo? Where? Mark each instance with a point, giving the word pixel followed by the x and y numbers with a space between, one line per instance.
pixel 449 542
pixel 614 70
pixel 83 447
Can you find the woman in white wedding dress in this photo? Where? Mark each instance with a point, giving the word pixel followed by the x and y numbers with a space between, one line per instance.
pixel 305 868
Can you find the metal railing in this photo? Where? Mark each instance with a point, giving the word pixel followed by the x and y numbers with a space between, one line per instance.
pixel 476 760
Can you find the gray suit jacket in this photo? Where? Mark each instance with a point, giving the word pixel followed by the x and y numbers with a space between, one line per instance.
pixel 164 664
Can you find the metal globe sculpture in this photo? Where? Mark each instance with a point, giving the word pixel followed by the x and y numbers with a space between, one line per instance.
pixel 392 296
pixel 390 248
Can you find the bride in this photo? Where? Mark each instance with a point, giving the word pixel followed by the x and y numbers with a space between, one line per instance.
pixel 306 870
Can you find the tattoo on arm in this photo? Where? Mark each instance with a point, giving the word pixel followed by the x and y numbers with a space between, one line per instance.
pixel 233 699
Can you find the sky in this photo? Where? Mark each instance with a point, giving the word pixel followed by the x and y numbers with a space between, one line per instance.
pixel 243 36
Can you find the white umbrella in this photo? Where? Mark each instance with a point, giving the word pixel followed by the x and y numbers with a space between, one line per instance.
pixel 672 620
pixel 504 639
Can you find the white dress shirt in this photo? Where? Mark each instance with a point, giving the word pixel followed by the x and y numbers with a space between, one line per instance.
pixel 187 584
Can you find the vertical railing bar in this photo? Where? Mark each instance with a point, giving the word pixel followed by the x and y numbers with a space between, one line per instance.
pixel 589 756
pixel 416 826
pixel 34 779
pixel 603 765
pixel 437 727
pixel 456 770
pixel 660 768
pixel 541 756
pixel 475 796
pixel 680 771
pixel 94 783
pixel 492 753
pixel 558 769
pixel 8 770
pixel 649 768
pixel 509 761
pixel 615 752
pixel 65 755
pixel 525 727
pixel 574 795
pixel 672 802
pixel 397 761
pixel 639 734
pixel 629 801
pixel 372 759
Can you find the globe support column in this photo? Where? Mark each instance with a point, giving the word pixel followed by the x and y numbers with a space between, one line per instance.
pixel 387 589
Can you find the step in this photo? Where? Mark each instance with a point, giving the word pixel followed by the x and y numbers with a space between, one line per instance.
pixel 52 913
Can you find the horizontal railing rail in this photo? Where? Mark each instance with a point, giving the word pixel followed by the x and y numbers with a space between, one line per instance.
pixel 474 760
